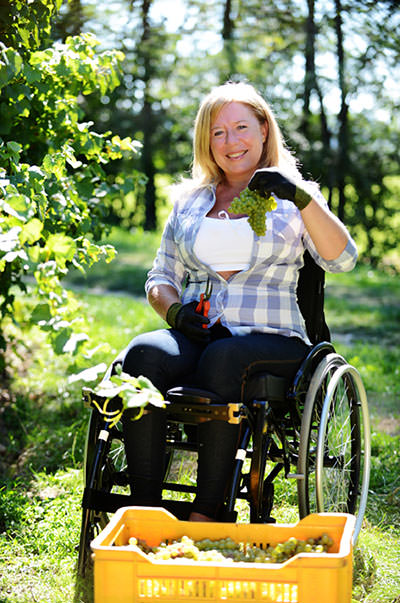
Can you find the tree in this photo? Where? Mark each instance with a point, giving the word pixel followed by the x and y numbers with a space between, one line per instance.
pixel 53 187
pixel 320 65
pixel 311 84
pixel 366 146
pixel 343 156
pixel 145 58
pixel 228 28
pixel 70 22
pixel 138 106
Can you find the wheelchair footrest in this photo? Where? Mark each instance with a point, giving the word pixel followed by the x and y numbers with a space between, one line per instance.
pixel 99 500
pixel 197 413
pixel 180 508
pixel 192 405
pixel 109 502
pixel 173 487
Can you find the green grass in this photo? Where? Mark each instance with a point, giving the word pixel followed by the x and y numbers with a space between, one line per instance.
pixel 43 427
pixel 363 312
pixel 38 550
pixel 127 272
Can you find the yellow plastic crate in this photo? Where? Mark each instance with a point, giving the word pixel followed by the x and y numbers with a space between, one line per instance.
pixel 123 575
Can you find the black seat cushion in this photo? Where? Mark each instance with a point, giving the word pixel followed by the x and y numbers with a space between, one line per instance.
pixel 193 395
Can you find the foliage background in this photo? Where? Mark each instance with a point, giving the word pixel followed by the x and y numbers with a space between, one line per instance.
pixel 97 101
pixel 329 69
pixel 84 85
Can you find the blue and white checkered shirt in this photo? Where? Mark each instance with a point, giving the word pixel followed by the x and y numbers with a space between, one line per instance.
pixel 261 298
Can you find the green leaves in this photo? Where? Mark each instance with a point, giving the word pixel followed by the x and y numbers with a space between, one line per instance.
pixel 26 25
pixel 9 247
pixel 54 191
pixel 31 231
pixel 54 163
pixel 134 392
pixel 10 65
pixel 60 247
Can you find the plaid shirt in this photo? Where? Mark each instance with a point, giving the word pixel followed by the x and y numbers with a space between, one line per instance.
pixel 261 298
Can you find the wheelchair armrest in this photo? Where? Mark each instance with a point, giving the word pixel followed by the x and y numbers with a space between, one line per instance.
pixel 193 395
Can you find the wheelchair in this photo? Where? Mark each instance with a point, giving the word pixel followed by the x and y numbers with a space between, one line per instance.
pixel 314 430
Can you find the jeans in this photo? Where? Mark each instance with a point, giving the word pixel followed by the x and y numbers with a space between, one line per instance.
pixel 168 358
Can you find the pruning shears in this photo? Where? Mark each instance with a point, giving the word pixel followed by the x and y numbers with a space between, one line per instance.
pixel 203 306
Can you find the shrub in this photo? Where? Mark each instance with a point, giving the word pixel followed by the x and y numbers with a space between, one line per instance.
pixel 53 183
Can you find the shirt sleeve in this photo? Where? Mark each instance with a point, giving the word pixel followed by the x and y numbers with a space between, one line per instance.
pixel 168 268
pixel 346 260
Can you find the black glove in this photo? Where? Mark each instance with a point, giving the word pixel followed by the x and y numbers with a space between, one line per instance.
pixel 185 319
pixel 270 180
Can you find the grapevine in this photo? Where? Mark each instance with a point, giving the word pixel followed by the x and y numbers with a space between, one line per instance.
pixel 227 549
pixel 255 206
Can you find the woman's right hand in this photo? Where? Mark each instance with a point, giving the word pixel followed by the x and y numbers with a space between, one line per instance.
pixel 185 319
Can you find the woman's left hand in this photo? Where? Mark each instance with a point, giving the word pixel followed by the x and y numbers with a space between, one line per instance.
pixel 271 180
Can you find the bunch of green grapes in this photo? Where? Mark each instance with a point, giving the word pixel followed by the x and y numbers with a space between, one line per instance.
pixel 255 206
pixel 227 549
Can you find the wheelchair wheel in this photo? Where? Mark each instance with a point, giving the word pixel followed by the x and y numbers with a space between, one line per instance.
pixel 334 448
pixel 109 474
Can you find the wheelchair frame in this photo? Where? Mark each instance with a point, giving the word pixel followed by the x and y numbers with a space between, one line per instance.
pixel 314 430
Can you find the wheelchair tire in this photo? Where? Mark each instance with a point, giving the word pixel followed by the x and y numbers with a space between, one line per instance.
pixel 110 472
pixel 91 525
pixel 334 448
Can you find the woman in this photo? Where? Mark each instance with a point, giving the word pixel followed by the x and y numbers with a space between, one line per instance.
pixel 253 314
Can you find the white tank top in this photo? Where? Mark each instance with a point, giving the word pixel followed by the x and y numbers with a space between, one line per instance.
pixel 224 244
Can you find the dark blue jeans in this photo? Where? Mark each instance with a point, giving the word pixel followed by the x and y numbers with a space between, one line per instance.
pixel 168 358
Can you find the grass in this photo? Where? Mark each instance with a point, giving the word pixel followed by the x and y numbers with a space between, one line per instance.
pixel 39 547
pixel 43 422
pixel 127 273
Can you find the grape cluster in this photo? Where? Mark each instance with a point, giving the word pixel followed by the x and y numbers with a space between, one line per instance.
pixel 227 549
pixel 255 206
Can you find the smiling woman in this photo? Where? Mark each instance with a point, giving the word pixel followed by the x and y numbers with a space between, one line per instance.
pixel 253 315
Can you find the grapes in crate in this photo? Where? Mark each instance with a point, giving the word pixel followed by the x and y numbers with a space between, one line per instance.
pixel 227 549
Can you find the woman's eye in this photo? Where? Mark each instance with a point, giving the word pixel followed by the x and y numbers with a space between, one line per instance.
pixel 218 133
pixel 242 126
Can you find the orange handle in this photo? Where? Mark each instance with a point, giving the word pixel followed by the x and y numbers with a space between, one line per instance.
pixel 200 305
pixel 203 308
pixel 206 307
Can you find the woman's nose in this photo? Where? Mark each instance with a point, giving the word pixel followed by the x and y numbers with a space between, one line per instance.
pixel 230 136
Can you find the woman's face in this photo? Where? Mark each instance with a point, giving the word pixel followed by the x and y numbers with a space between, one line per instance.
pixel 236 141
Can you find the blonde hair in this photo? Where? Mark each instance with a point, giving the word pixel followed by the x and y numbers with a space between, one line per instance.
pixel 205 171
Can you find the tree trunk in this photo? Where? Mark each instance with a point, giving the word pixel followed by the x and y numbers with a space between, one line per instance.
pixel 72 22
pixel 342 160
pixel 310 84
pixel 148 168
pixel 309 76
pixel 227 36
pixel 147 120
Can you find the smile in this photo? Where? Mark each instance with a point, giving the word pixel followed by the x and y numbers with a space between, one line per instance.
pixel 236 155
